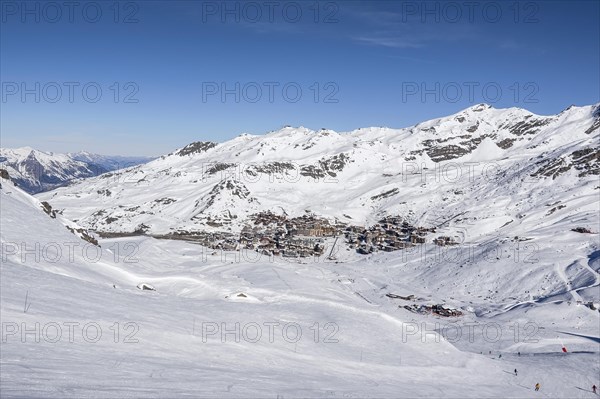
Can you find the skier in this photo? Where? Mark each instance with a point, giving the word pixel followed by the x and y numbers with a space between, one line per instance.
pixel 594 388
pixel 537 386
pixel 515 371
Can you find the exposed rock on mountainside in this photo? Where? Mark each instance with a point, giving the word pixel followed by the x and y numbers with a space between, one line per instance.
pixel 196 148
pixel 585 161
pixel 4 174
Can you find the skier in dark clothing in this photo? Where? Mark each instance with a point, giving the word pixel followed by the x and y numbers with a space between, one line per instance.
pixel 594 388
pixel 515 371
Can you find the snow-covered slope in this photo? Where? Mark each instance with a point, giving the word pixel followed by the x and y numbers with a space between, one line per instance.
pixel 74 325
pixel 37 171
pixel 493 167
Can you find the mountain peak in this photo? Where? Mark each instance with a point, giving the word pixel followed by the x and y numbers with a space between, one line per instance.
pixel 25 150
pixel 479 107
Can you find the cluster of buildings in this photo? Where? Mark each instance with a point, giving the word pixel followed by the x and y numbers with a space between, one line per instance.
pixel 214 240
pixel 304 236
pixel 389 234
pixel 281 244
pixel 270 234
pixel 438 310
pixel 295 237
pixel 307 225
pixel 443 241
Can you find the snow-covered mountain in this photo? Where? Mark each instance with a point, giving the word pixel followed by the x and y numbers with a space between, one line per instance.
pixel 37 171
pixel 482 171
pixel 384 326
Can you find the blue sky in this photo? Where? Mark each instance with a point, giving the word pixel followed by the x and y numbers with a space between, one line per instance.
pixel 175 72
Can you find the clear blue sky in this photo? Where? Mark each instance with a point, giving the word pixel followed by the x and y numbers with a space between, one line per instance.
pixel 368 61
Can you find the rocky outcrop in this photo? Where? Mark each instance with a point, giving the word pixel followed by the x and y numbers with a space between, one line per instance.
pixel 196 148
pixel 585 161
pixel 4 174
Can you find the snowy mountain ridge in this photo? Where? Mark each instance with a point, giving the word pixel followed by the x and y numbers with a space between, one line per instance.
pixel 37 171
pixel 492 165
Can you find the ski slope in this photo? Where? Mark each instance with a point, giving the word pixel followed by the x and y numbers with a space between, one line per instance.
pixel 181 339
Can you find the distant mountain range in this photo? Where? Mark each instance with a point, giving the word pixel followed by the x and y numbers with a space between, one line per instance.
pixel 37 171
pixel 109 162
